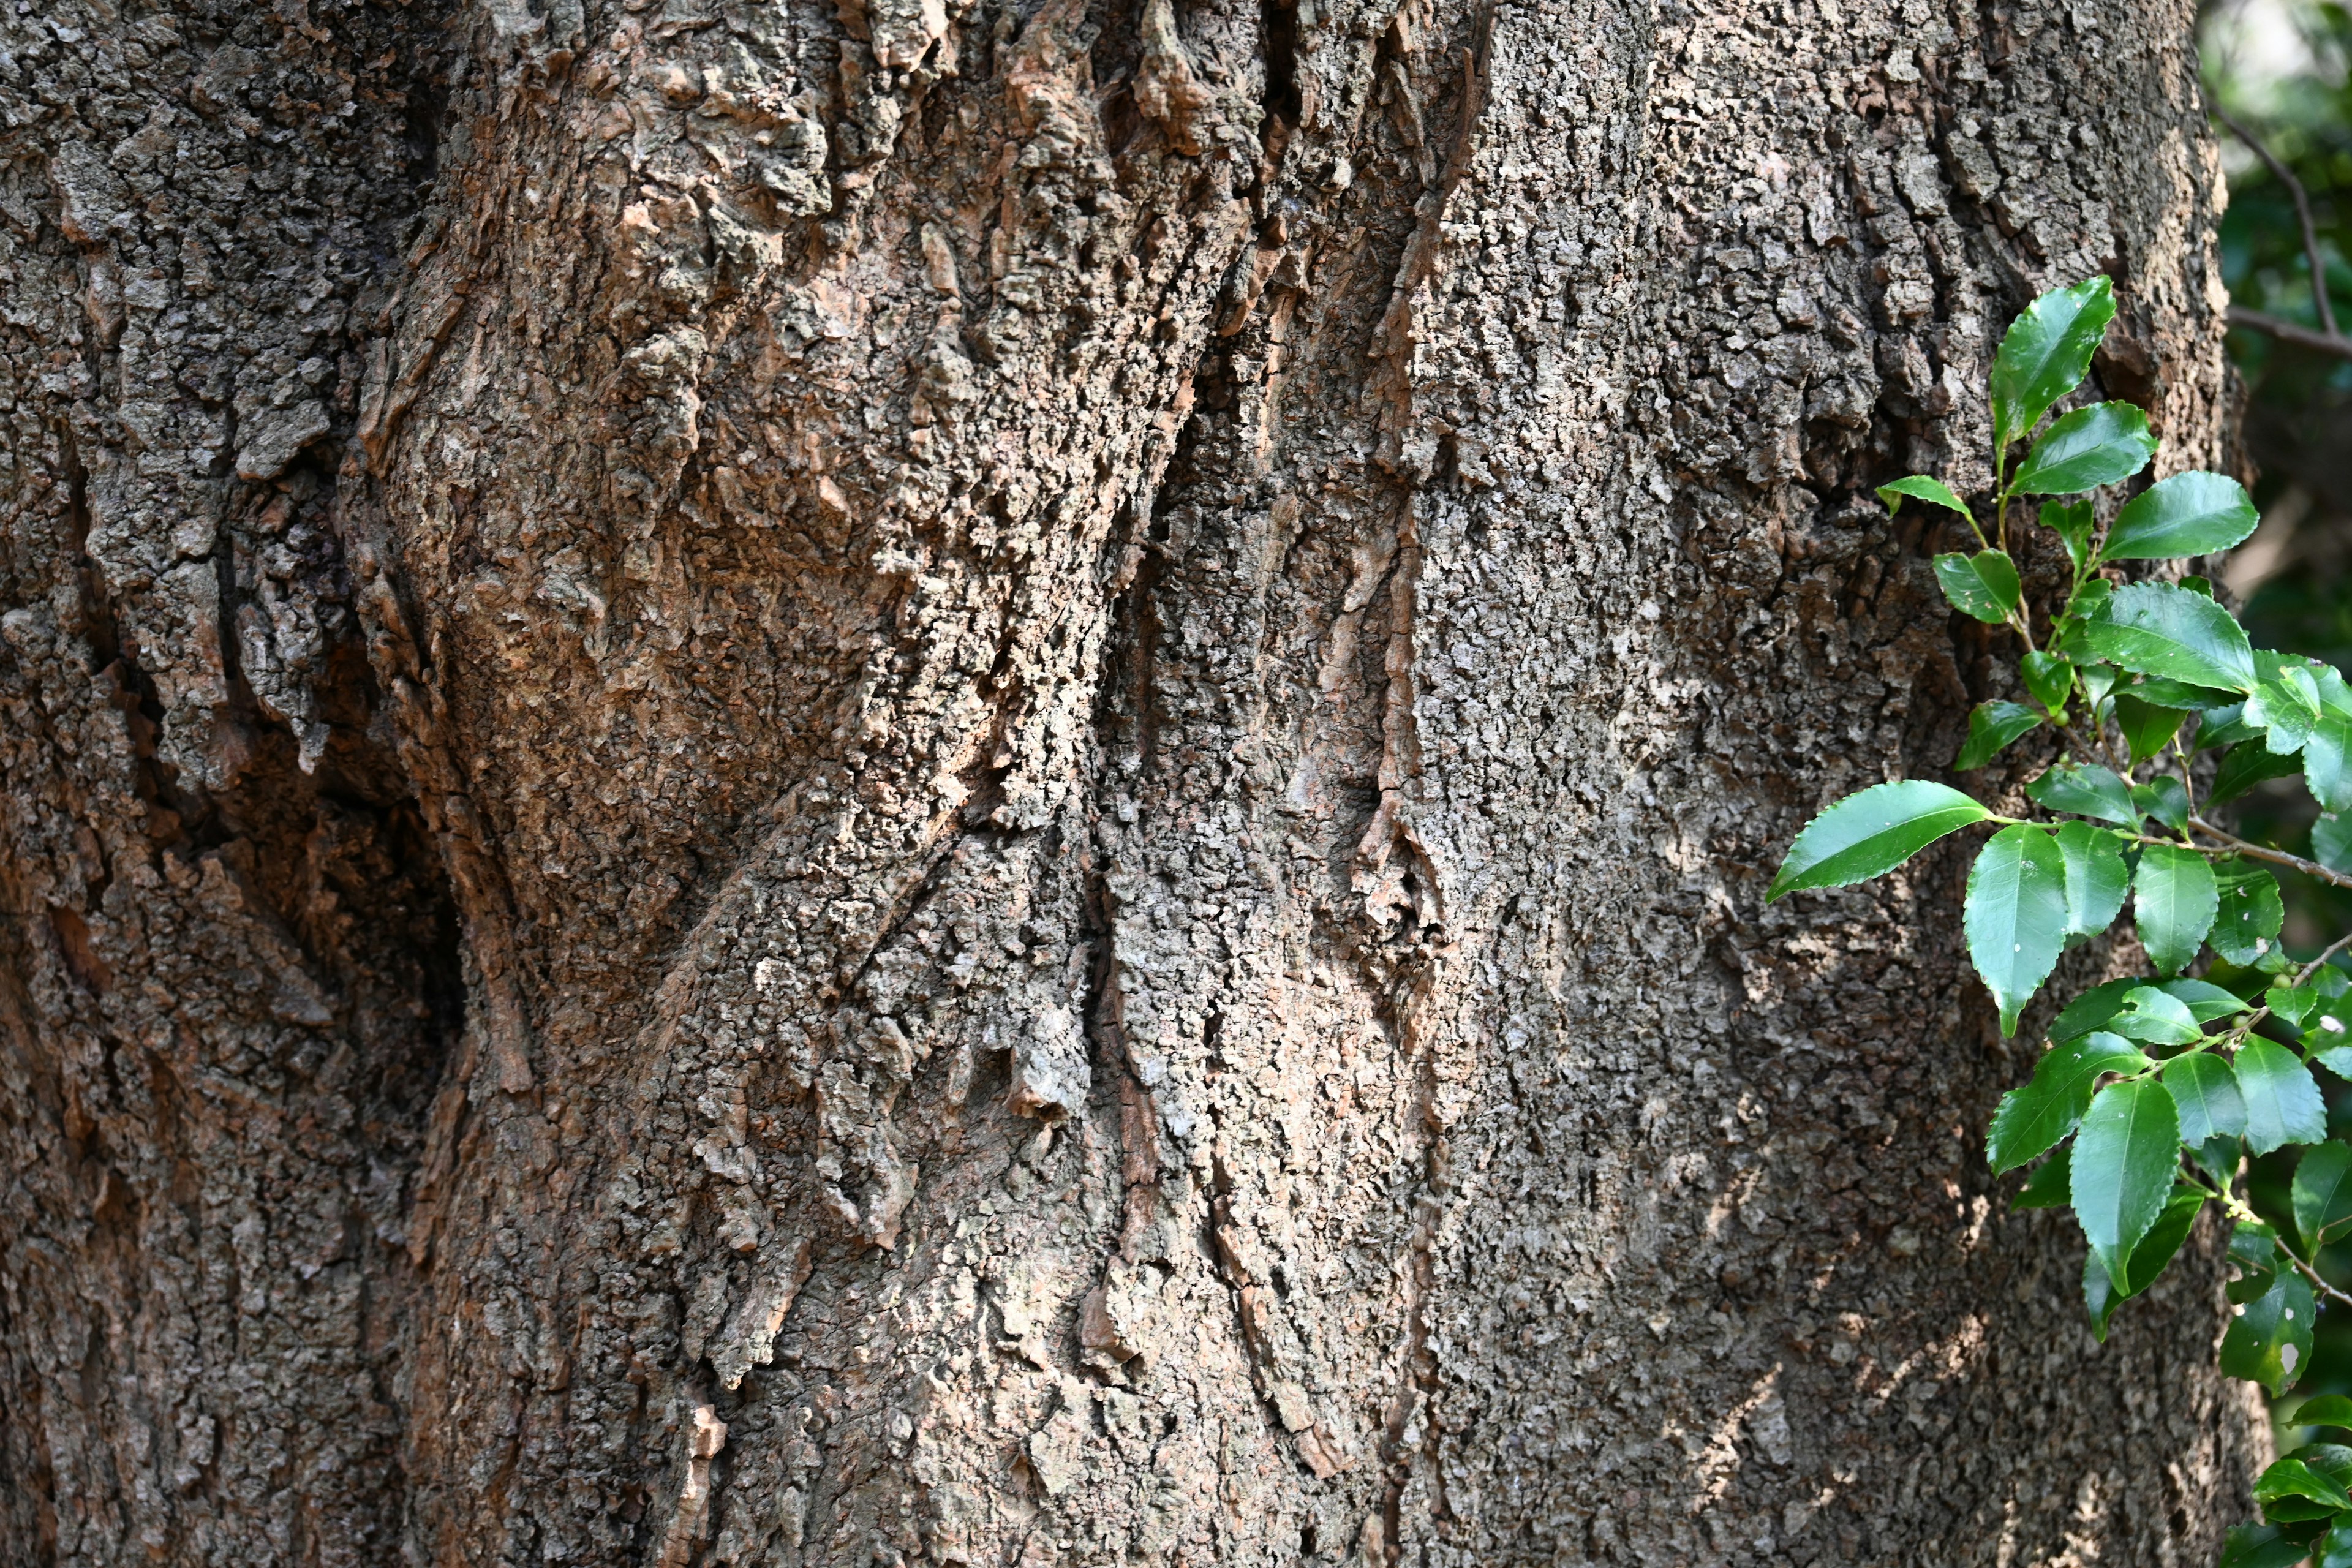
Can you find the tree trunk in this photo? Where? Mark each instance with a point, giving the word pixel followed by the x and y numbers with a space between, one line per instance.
pixel 990 783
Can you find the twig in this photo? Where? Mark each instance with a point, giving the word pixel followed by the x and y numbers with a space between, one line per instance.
pixel 2275 857
pixel 2288 332
pixel 2302 211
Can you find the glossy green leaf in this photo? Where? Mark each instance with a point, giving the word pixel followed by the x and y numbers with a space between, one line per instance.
pixel 2091 1009
pixel 2260 1546
pixel 2188 514
pixel 2016 915
pixel 1992 727
pixel 2101 445
pixel 2154 1018
pixel 2164 798
pixel 2285 722
pixel 2072 522
pixel 2086 789
pixel 2046 1188
pixel 2327 762
pixel 2146 727
pixel 2173 904
pixel 2037 1113
pixel 2097 878
pixel 2269 1337
pixel 2292 1003
pixel 2160 1244
pixel 1983 585
pixel 2324 1410
pixel 2283 1103
pixel 2251 912
pixel 2157 691
pixel 2205 1000
pixel 2294 1478
pixel 2225 726
pixel 2205 1091
pixel 2049 677
pixel 2121 1173
pixel 2045 354
pixel 2247 765
pixel 1919 487
pixel 2322 1194
pixel 2156 629
pixel 1872 832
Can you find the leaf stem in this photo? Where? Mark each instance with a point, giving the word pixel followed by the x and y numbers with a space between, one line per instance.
pixel 2237 1209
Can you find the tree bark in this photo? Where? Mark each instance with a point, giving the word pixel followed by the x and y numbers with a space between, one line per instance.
pixel 990 783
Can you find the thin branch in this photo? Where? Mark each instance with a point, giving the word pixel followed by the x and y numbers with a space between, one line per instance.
pixel 2288 332
pixel 2314 967
pixel 2275 857
pixel 2302 211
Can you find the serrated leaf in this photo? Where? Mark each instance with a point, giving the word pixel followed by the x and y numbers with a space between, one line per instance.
pixel 2324 1410
pixel 2283 1103
pixel 2269 1337
pixel 2037 1113
pixel 2327 762
pixel 2101 445
pixel 1871 833
pixel 2286 723
pixel 2086 789
pixel 2225 726
pixel 1992 727
pixel 2049 677
pixel 2046 1188
pixel 1919 487
pixel 2045 354
pixel 2322 1194
pixel 2157 691
pixel 2146 727
pixel 2251 912
pixel 2072 522
pixel 2294 1478
pixel 2155 1018
pixel 1983 585
pixel 2292 1003
pixel 2162 1242
pixel 2188 514
pixel 2247 765
pixel 2205 1000
pixel 2173 903
pixel 2164 798
pixel 2016 915
pixel 2205 1091
pixel 2121 1173
pixel 2156 628
pixel 2097 878
pixel 2091 1009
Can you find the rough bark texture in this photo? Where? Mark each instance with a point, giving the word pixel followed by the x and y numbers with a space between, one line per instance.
pixel 987 783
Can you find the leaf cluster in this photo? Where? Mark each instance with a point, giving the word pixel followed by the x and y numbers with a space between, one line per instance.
pixel 2152 1089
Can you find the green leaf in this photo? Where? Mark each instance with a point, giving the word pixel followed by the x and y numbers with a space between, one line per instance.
pixel 2292 1003
pixel 2092 446
pixel 2224 727
pixel 2259 1546
pixel 2146 727
pixel 1872 832
pixel 1919 487
pixel 2155 1018
pixel 2188 514
pixel 2331 841
pixel 2269 1339
pixel 2045 354
pixel 2156 628
pixel 2246 765
pixel 2173 904
pixel 2293 1477
pixel 2071 521
pixel 1983 585
pixel 2049 677
pixel 2322 1194
pixel 2036 1114
pixel 2164 798
pixel 2091 1009
pixel 2276 709
pixel 2251 914
pixel 2324 1410
pixel 2156 691
pixel 2047 1188
pixel 2125 1154
pixel 2327 762
pixel 1991 726
pixel 2206 1001
pixel 2336 1551
pixel 2086 789
pixel 2162 1242
pixel 2016 915
pixel 2205 1091
pixel 2283 1104
pixel 2097 878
